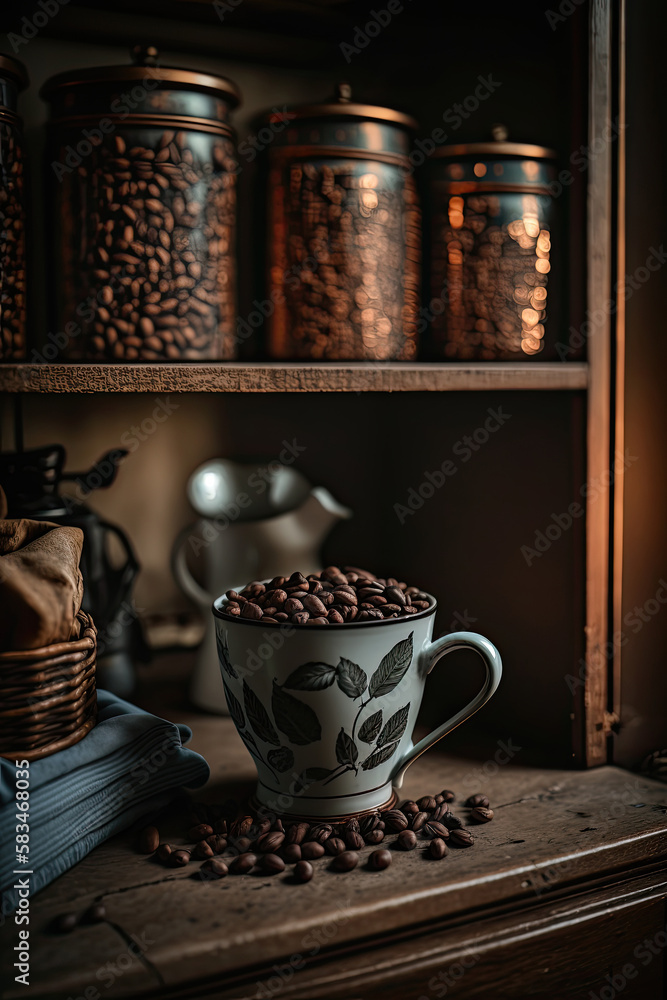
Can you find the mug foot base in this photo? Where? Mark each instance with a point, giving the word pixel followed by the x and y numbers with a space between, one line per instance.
pixel 304 811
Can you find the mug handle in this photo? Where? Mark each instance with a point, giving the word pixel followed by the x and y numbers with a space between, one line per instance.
pixel 429 657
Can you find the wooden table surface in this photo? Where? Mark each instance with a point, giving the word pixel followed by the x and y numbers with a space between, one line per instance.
pixel 170 935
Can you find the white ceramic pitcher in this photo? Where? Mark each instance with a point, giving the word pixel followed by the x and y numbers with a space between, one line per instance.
pixel 283 525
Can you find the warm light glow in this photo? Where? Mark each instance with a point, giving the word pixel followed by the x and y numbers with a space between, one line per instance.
pixel 529 317
pixel 479 169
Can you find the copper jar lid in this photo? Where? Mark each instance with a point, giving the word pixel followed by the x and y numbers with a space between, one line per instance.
pixel 78 92
pixel 342 107
pixel 497 146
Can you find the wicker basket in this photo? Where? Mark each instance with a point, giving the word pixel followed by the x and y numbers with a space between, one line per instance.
pixel 48 699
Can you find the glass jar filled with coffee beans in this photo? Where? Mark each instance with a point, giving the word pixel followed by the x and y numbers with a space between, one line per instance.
pixel 491 214
pixel 142 166
pixel 13 78
pixel 344 233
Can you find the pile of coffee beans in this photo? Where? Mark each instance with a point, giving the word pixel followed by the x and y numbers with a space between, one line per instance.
pixel 332 597
pixel 495 275
pixel 12 247
pixel 345 262
pixel 230 841
pixel 149 242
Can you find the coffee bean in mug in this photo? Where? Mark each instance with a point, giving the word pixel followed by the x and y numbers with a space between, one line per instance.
pixel 331 713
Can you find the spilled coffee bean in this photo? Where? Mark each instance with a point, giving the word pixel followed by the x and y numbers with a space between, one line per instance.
pixel 437 848
pixel 303 871
pixel 481 814
pixel 407 840
pixel 268 844
pixel 380 859
pixel 346 861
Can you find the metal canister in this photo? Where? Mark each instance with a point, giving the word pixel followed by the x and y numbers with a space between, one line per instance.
pixel 492 214
pixel 13 79
pixel 143 170
pixel 344 233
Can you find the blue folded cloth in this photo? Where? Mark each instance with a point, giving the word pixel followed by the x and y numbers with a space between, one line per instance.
pixel 127 766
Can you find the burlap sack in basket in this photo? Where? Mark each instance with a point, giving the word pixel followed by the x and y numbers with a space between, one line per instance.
pixel 40 582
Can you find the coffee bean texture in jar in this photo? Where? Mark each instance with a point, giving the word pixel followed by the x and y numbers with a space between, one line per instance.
pixel 142 168
pixel 491 250
pixel 344 234
pixel 13 78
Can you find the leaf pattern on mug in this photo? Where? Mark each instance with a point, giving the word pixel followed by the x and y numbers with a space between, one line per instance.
pixel 371 727
pixel 346 749
pixel 351 678
pixel 249 738
pixel 294 718
pixel 311 776
pixel 258 717
pixel 394 727
pixel 311 677
pixel 379 757
pixel 392 669
pixel 234 706
pixel 299 723
pixel 282 759
pixel 223 653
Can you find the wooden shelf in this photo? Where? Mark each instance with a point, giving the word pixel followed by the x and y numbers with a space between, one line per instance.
pixel 290 377
pixel 565 851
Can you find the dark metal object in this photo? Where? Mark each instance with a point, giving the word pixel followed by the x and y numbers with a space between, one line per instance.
pixel 143 168
pixel 31 481
pixel 344 233
pixel 491 223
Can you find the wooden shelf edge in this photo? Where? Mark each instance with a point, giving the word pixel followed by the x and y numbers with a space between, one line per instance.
pixel 291 377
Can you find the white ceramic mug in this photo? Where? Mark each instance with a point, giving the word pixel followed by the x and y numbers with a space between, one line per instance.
pixel 327 711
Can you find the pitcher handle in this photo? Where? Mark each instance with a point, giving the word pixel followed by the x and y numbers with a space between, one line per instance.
pixel 181 571
pixel 428 659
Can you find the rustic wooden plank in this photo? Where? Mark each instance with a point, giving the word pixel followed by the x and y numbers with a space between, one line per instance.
pixel 562 949
pixel 553 830
pixel 599 239
pixel 273 377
